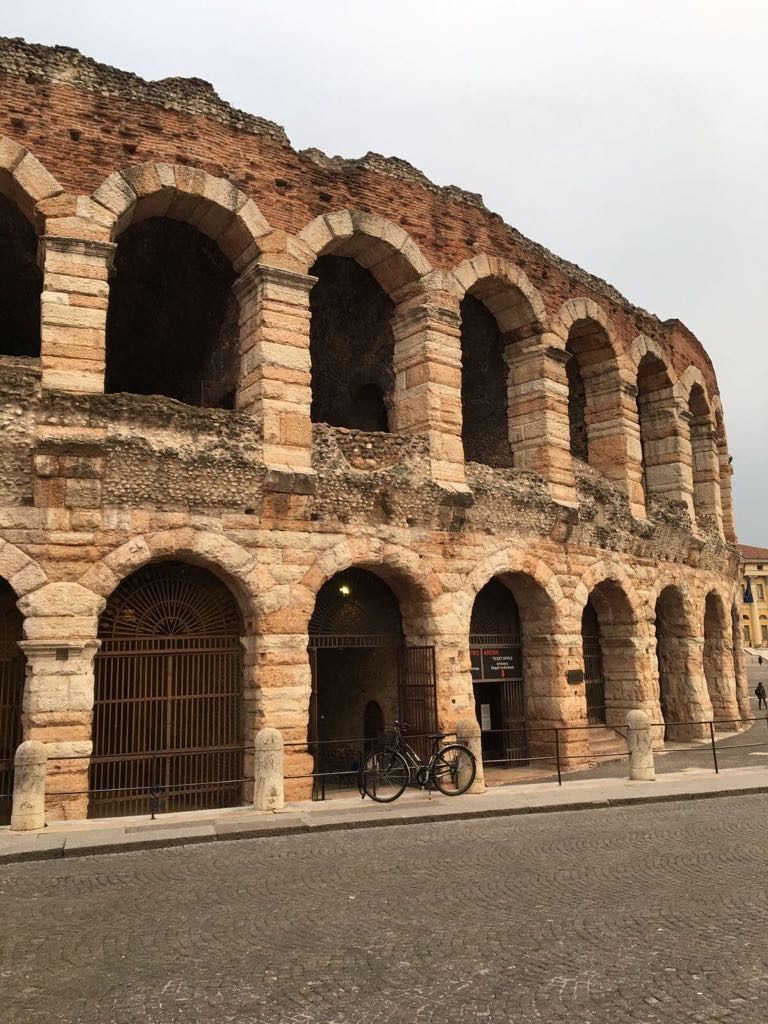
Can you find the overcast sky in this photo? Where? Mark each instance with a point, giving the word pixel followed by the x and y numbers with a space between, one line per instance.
pixel 630 137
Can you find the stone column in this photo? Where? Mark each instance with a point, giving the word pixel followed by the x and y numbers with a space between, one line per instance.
pixel 29 773
pixel 721 681
pixel 427 399
pixel 74 312
pixel 552 703
pixel 58 711
pixel 268 792
pixel 667 456
pixel 630 677
pixel 275 372
pixel 706 475
pixel 539 430
pixel 686 697
pixel 614 436
pixel 282 700
pixel 640 743
pixel 726 492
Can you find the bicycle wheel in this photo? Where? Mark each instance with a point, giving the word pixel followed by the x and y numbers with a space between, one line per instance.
pixel 384 775
pixel 454 769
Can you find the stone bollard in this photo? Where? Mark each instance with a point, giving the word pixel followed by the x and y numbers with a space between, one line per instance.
pixel 29 771
pixel 640 743
pixel 268 791
pixel 468 733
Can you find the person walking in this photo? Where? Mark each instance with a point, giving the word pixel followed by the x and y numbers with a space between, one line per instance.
pixel 760 694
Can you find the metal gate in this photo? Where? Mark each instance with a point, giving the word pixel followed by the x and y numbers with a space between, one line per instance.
pixel 167 718
pixel 499 683
pixel 594 679
pixel 12 667
pixel 417 695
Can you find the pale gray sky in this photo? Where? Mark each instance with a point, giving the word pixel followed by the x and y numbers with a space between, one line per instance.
pixel 628 137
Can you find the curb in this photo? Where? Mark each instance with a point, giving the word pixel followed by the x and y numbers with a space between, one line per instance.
pixel 301 828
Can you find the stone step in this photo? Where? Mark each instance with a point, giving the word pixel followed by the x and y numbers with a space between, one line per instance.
pixel 605 741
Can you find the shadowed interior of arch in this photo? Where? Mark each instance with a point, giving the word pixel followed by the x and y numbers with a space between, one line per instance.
pixel 655 409
pixel 351 346
pixel 172 323
pixel 21 283
pixel 608 631
pixel 590 368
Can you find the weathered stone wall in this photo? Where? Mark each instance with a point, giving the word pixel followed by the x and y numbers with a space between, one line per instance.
pixel 96 485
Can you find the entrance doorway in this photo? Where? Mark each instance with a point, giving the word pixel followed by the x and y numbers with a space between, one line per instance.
pixel 167 716
pixel 496 653
pixel 364 676
pixel 594 678
pixel 12 666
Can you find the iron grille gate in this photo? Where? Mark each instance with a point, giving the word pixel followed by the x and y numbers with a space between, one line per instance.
pixel 497 669
pixel 166 720
pixel 594 681
pixel 416 692
pixel 12 666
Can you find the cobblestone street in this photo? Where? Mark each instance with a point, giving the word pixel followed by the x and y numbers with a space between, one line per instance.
pixel 646 914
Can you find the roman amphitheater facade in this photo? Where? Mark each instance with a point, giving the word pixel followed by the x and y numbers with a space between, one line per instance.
pixel 302 442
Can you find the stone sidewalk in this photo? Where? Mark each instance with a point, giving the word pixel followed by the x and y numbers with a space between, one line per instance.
pixel 83 838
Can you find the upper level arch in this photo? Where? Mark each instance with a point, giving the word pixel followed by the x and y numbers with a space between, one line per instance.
pixel 499 310
pixel 172 323
pixel 24 183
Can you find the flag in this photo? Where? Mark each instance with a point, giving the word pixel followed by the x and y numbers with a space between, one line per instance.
pixel 748 599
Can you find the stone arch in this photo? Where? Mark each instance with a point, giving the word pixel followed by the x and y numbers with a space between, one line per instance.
pixel 702 440
pixel 613 625
pixel 173 321
pixel 500 312
pixel 23 574
pixel 213 205
pixel 595 391
pixel 725 471
pixel 364 266
pixel 24 183
pixel 234 565
pixel 719 671
pixel 385 249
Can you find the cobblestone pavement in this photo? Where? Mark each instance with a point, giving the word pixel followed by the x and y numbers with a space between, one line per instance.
pixel 648 914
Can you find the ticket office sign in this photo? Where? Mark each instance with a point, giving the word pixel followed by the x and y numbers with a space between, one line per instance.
pixel 492 664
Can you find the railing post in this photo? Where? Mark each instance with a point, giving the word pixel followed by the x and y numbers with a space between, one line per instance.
pixel 268 788
pixel 29 771
pixel 640 743
pixel 468 733
pixel 557 756
pixel 714 747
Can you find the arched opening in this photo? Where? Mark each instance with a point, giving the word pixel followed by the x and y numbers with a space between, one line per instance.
pixel 718 662
pixel 593 394
pixel 495 316
pixel 484 423
pixel 498 675
pixel 704 457
pixel 168 698
pixel 12 668
pixel 172 323
pixel 655 410
pixel 351 346
pixel 21 283
pixel 359 658
pixel 677 698
pixel 373 724
pixel 610 676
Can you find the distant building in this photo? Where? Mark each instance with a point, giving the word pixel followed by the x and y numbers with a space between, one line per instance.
pixel 754 613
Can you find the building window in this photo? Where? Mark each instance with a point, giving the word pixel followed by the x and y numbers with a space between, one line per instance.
pixel 764 632
pixel 746 634
pixel 760 592
pixel 760 567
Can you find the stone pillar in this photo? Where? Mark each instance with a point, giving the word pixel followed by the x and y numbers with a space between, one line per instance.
pixel 58 711
pixel 552 703
pixel 630 677
pixel 640 743
pixel 726 491
pixel 613 434
pixel 539 430
pixel 685 696
pixel 282 700
pixel 29 772
pixel 74 312
pixel 427 399
pixel 268 794
pixel 706 475
pixel 667 456
pixel 275 372
pixel 721 680
pixel 468 733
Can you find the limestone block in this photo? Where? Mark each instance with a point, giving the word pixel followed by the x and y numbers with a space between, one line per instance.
pixel 268 786
pixel 29 776
pixel 61 599
pixel 640 743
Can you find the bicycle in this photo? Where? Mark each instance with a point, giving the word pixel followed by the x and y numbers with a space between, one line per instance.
pixel 385 773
